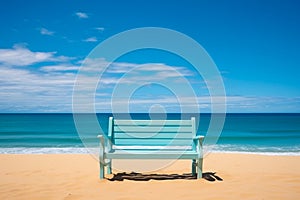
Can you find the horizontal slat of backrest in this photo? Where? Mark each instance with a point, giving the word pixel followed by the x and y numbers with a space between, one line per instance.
pixel 153 122
pixel 153 142
pixel 153 132
pixel 130 135
pixel 152 129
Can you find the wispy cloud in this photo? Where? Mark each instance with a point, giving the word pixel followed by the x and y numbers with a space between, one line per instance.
pixel 81 15
pixel 100 28
pixel 45 31
pixel 157 70
pixel 90 39
pixel 21 56
pixel 59 68
pixel 234 104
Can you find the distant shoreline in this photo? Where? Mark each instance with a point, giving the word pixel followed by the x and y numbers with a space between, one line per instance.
pixel 84 151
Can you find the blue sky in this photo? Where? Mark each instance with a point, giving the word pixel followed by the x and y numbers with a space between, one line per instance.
pixel 255 44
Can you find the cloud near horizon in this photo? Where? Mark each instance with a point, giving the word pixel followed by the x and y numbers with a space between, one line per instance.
pixel 43 82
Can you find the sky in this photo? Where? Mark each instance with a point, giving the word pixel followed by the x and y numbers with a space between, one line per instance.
pixel 254 43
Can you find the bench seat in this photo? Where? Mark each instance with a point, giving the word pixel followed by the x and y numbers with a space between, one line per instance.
pixel 152 155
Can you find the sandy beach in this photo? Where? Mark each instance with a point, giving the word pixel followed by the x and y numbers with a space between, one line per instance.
pixel 66 176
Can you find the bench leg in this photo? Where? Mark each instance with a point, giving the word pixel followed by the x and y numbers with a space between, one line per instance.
pixel 109 167
pixel 193 167
pixel 101 170
pixel 199 168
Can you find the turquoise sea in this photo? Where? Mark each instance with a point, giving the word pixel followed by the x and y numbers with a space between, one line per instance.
pixel 275 134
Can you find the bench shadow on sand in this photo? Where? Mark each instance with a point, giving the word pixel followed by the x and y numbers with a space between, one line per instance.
pixel 209 176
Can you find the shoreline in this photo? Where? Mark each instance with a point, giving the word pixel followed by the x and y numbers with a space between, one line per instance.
pixel 75 176
pixel 84 151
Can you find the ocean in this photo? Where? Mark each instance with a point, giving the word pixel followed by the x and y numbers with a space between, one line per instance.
pixel 273 134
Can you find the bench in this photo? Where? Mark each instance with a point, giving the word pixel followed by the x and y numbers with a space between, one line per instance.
pixel 151 139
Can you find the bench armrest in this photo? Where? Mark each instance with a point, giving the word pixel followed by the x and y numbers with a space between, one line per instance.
pixel 102 149
pixel 198 137
pixel 197 143
pixel 105 143
pixel 102 141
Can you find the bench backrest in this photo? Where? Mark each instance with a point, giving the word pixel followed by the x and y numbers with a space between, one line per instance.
pixel 165 133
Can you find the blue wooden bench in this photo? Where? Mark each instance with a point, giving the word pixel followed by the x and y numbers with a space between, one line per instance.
pixel 151 139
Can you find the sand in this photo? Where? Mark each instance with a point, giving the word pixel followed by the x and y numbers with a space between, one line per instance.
pixel 66 176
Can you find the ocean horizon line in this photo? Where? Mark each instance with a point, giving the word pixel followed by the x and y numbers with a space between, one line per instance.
pixel 149 113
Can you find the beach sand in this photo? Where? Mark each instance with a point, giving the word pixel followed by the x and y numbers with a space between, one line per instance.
pixel 66 176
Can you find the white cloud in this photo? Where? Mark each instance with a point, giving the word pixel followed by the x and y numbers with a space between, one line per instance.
pixel 23 90
pixel 234 104
pixel 152 72
pixel 158 71
pixel 44 31
pixel 100 28
pixel 35 89
pixel 21 56
pixel 59 68
pixel 169 103
pixel 161 70
pixel 91 39
pixel 81 15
